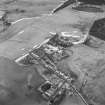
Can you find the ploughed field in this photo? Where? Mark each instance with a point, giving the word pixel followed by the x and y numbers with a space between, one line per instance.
pixel 86 60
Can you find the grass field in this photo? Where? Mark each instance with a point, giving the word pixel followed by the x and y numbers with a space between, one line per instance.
pixel 27 8
pixel 17 9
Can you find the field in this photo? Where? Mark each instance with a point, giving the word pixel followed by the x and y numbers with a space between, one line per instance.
pixel 27 8
pixel 17 9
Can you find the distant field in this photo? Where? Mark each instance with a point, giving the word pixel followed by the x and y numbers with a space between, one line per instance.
pixel 27 8
pixel 17 9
